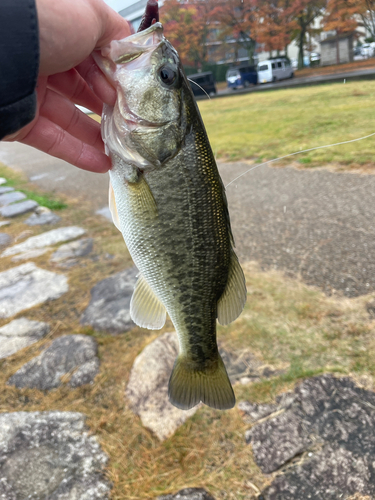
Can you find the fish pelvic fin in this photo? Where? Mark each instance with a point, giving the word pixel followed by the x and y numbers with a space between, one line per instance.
pixel 146 310
pixel 189 386
pixel 233 299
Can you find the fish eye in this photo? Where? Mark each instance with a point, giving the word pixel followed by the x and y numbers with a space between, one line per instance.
pixel 167 75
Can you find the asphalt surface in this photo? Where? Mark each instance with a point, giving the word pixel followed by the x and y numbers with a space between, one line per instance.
pixel 363 74
pixel 315 224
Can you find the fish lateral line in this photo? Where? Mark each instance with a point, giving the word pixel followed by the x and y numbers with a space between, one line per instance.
pixel 296 153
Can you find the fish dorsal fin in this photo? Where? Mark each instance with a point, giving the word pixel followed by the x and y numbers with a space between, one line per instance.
pixel 233 299
pixel 146 310
pixel 113 207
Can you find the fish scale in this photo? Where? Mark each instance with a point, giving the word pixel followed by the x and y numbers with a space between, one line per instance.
pixel 168 200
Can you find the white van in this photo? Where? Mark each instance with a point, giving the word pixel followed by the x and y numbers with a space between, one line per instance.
pixel 274 69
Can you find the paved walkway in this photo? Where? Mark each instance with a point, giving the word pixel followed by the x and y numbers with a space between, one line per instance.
pixel 313 223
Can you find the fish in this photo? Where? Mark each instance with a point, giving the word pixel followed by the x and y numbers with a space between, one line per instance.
pixel 168 200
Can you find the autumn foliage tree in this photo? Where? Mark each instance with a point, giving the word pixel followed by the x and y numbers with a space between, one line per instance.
pixel 276 24
pixel 237 20
pixel 186 25
pixel 366 12
pixel 341 17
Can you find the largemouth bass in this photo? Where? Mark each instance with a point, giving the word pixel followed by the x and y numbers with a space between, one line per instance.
pixel 168 200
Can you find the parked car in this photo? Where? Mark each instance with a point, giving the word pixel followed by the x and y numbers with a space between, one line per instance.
pixel 205 83
pixel 241 76
pixel 367 50
pixel 314 59
pixel 272 70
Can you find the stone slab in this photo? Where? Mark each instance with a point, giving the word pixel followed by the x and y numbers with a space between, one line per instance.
pixel 72 250
pixel 105 212
pixel 147 389
pixel 50 455
pixel 66 354
pixel 26 286
pixel 42 218
pixel 30 254
pixel 5 239
pixel 11 197
pixel 18 208
pixel 109 308
pixel 322 438
pixel 6 189
pixel 20 333
pixel 46 239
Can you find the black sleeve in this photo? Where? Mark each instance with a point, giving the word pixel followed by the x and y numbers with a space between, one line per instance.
pixel 19 62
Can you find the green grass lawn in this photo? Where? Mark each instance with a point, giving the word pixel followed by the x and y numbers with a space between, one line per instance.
pixel 264 125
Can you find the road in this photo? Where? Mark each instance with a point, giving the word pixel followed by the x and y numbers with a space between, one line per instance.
pixel 363 74
pixel 315 224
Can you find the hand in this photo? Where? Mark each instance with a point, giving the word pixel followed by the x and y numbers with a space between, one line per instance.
pixel 69 30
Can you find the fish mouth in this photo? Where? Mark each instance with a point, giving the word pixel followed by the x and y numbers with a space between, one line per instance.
pixel 132 119
pixel 131 47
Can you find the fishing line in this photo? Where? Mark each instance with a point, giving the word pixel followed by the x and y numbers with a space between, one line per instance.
pixel 192 81
pixel 296 153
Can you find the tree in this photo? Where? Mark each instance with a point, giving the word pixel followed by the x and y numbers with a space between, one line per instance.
pixel 367 14
pixel 340 16
pixel 305 12
pixel 276 24
pixel 237 19
pixel 186 26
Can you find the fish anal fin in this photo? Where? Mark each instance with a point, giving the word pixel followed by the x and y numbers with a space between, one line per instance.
pixel 189 386
pixel 113 207
pixel 146 310
pixel 233 299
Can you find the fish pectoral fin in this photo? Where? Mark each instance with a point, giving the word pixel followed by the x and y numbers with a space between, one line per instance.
pixel 189 386
pixel 146 310
pixel 143 200
pixel 233 299
pixel 113 207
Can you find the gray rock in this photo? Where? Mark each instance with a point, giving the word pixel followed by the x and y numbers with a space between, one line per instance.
pixel 3 180
pixel 20 333
pixel 242 366
pixel 11 197
pixel 147 389
pixel 42 218
pixel 329 422
pixel 50 455
pixel 6 189
pixel 18 208
pixel 254 411
pixel 188 494
pixel 26 286
pixel 65 354
pixel 46 239
pixel 105 212
pixel 109 308
pixel 4 223
pixel 67 254
pixel 5 239
pixel 30 254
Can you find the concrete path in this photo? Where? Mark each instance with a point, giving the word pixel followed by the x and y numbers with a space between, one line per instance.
pixel 313 223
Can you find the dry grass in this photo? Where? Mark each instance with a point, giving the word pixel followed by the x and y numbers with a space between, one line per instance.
pixel 285 323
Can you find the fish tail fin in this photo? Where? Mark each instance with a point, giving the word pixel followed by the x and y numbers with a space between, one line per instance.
pixel 189 386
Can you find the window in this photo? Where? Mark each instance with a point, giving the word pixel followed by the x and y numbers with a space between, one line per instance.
pixel 279 64
pixel 263 67
pixel 273 66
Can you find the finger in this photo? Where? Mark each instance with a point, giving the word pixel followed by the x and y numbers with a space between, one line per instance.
pixel 114 26
pixel 94 77
pixel 52 139
pixel 73 86
pixel 64 113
